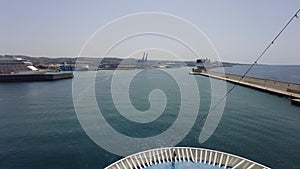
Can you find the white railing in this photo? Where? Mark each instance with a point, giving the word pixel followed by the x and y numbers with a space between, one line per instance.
pixel 181 154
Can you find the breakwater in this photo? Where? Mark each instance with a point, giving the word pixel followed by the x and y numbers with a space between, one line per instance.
pixel 286 89
pixel 35 77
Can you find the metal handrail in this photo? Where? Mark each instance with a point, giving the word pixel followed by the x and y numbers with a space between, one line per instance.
pixel 181 154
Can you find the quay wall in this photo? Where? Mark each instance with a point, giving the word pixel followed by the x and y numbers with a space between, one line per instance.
pixel 35 77
pixel 279 85
pixel 286 89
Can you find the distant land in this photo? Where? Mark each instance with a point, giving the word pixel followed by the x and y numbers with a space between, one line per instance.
pixel 93 63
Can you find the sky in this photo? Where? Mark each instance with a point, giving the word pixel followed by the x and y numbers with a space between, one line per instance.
pixel 239 30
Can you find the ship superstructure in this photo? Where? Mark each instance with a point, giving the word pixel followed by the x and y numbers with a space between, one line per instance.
pixel 14 65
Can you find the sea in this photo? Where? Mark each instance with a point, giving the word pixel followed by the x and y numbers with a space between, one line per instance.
pixel 40 127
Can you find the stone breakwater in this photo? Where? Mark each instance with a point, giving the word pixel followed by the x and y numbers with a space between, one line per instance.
pixel 285 89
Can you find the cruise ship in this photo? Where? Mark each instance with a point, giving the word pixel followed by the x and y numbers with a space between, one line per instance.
pixel 13 69
pixel 13 65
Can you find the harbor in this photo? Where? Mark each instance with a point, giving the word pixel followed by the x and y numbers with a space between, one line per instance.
pixel 39 112
pixel 149 85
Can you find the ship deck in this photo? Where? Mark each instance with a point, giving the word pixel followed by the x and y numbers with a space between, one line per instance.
pixel 184 157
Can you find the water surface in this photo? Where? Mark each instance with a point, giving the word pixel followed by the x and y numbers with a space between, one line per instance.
pixel 39 127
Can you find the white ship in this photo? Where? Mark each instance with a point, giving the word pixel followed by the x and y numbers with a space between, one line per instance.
pixel 13 65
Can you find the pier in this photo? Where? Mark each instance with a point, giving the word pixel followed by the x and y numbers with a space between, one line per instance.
pixel 284 89
pixel 35 77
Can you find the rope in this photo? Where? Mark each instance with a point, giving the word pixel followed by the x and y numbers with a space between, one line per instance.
pixel 252 65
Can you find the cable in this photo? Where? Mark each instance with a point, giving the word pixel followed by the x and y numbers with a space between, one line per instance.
pixel 252 65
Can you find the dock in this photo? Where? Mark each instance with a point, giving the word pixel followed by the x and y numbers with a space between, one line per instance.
pixel 295 102
pixel 35 77
pixel 284 89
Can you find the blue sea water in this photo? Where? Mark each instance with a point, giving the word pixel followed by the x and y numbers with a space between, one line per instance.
pixel 39 127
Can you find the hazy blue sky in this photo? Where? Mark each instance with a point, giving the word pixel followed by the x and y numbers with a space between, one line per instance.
pixel 240 30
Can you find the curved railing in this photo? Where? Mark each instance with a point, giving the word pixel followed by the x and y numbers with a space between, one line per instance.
pixel 177 154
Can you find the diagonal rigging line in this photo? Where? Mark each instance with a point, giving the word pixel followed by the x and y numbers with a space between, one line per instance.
pixel 252 65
